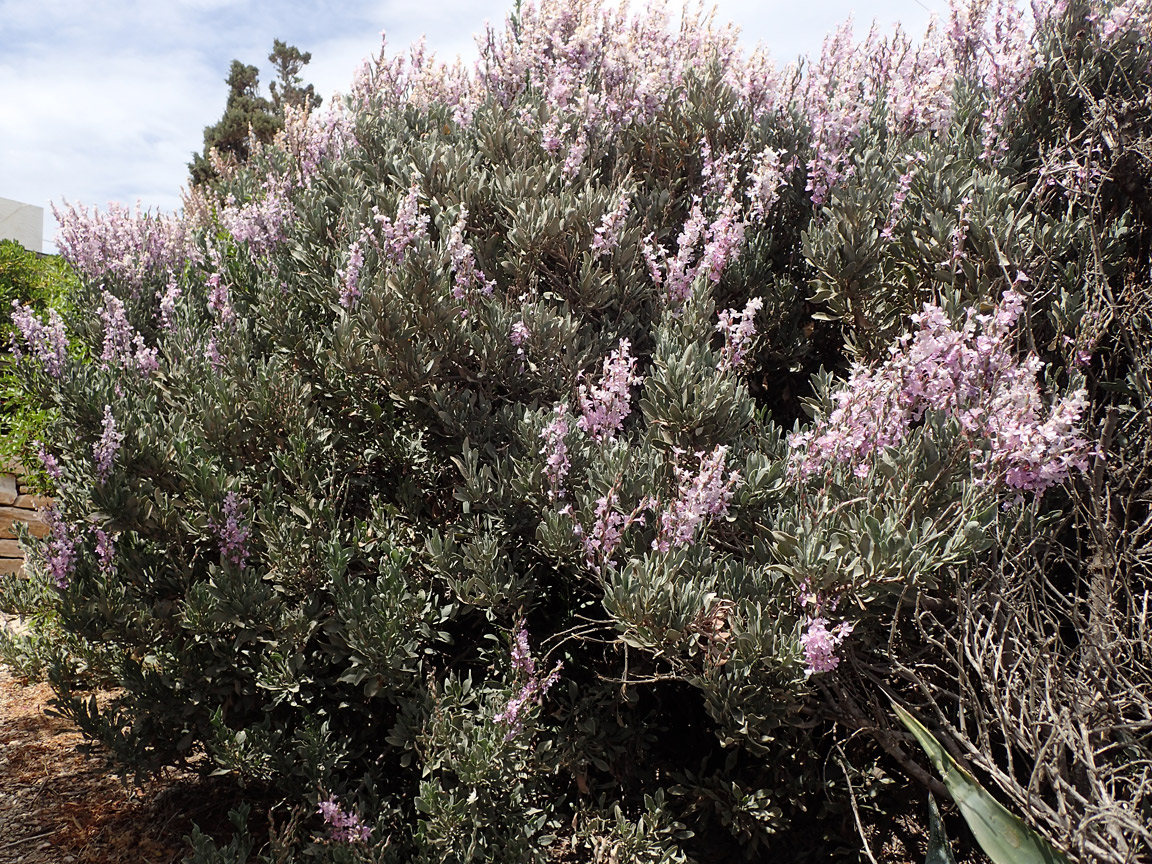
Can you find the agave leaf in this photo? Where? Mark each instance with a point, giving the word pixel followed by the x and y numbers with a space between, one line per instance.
pixel 939 852
pixel 1004 837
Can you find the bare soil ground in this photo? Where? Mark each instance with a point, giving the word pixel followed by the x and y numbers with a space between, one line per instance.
pixel 60 804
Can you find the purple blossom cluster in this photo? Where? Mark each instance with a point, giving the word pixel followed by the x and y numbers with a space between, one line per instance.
pixel 104 451
pixel 987 41
pixel 971 374
pixel 1129 16
pixel 212 352
pixel 123 347
pixel 314 137
pixel 409 227
pixel 59 549
pixel 597 68
pixel 722 239
pixel 532 687
pixel 262 222
pixel 959 234
pixel 105 551
pixel 702 496
pixel 51 464
pixel 518 335
pixel 233 533
pixel 344 826
pixel 993 42
pixel 607 234
pixel 605 405
pixel 350 273
pixel 820 644
pixel 220 298
pixel 555 451
pixel 739 328
pixel 918 90
pixel 466 276
pixel 675 275
pixel 609 524
pixel 168 300
pixel 47 341
pixel 416 79
pixel 725 237
pixel 837 101
pixel 128 246
pixel 765 178
pixel 903 187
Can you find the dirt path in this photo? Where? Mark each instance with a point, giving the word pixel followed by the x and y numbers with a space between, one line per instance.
pixel 60 804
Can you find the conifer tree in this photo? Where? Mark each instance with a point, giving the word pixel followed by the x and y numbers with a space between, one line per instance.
pixel 249 115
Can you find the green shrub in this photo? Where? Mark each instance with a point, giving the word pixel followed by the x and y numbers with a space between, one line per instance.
pixel 39 282
pixel 432 468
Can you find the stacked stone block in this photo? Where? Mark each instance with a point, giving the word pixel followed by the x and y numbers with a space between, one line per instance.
pixel 17 505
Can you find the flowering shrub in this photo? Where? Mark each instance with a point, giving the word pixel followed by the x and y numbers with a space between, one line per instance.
pixel 509 350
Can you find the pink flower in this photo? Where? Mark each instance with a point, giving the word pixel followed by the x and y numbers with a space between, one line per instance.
pixel 820 645
pixel 607 234
pixel 408 229
pixel 315 137
pixel 129 247
pixel 220 299
pixel 262 223
pixel 532 688
pixel 47 342
pixel 59 549
pixel 350 273
pixel 971 374
pixel 608 527
pixel 519 335
pixel 725 238
pixel 212 353
pixel 105 551
pixel 466 276
pixel 123 346
pixel 172 293
pixel 555 452
pixel 738 328
pixel 605 405
pixel 105 450
pixel 764 182
pixel 701 497
pixel 232 532
pixel 903 186
pixel 344 826
pixel 51 465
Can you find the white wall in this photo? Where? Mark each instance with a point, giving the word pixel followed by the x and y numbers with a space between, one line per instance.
pixel 23 223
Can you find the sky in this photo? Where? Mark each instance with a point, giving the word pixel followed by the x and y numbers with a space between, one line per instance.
pixel 106 100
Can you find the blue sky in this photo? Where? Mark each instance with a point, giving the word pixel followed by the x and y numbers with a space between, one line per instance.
pixel 105 100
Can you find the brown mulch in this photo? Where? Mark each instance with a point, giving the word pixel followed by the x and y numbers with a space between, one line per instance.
pixel 60 803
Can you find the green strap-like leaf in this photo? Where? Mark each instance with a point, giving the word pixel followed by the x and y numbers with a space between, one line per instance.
pixel 939 852
pixel 1004 837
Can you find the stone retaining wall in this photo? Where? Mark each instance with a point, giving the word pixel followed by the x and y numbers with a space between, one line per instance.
pixel 17 505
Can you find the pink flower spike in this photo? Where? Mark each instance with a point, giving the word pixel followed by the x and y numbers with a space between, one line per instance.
pixel 604 406
pixel 702 497
pixel 532 688
pixel 738 328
